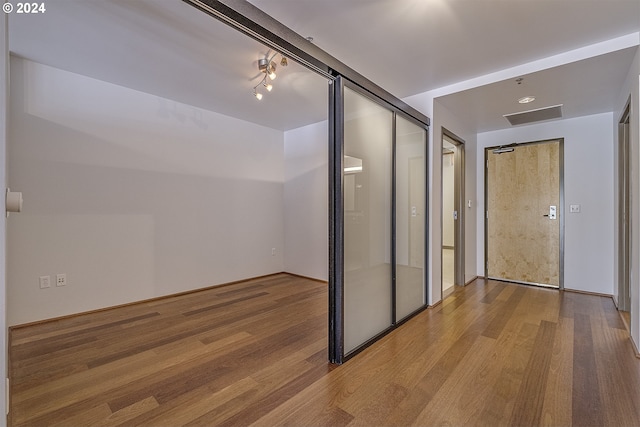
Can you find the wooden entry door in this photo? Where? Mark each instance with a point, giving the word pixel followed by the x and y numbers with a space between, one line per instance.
pixel 524 213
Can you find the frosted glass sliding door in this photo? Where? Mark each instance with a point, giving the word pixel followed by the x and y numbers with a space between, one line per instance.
pixel 367 192
pixel 377 227
pixel 410 217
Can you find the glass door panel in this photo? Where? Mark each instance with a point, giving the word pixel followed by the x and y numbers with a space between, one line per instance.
pixel 410 217
pixel 367 185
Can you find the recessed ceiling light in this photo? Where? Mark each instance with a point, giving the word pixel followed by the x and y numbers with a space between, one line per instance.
pixel 526 99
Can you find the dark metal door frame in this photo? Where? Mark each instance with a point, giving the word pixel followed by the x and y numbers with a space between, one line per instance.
pixel 624 211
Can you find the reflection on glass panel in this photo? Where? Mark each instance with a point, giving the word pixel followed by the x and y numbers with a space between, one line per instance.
pixel 367 219
pixel 410 217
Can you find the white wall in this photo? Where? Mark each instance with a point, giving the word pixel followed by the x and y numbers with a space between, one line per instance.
pixel 132 196
pixel 4 82
pixel 630 89
pixel 306 226
pixel 588 180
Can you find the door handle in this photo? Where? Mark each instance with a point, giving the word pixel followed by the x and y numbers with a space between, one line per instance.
pixel 552 213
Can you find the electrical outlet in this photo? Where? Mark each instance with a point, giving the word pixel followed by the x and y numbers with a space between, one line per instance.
pixel 273 251
pixel 61 279
pixel 45 282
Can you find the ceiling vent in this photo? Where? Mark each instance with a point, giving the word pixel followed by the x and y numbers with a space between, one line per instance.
pixel 537 115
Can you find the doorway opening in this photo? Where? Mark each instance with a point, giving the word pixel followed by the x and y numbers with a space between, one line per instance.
pixel 452 212
pixel 524 218
pixel 623 299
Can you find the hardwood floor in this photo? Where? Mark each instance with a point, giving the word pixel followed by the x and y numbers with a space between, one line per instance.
pixel 255 353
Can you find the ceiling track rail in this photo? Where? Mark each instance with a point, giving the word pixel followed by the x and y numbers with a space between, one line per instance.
pixel 223 16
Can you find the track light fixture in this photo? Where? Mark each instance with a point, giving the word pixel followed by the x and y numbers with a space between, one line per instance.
pixel 266 85
pixel 268 67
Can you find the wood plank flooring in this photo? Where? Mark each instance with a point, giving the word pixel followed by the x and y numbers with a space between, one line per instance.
pixel 255 353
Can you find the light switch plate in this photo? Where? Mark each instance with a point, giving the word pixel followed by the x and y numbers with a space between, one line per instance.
pixel 45 282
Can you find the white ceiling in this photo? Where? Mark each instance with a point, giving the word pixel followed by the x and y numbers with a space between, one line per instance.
pixel 168 48
pixel 585 87
pixel 412 46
